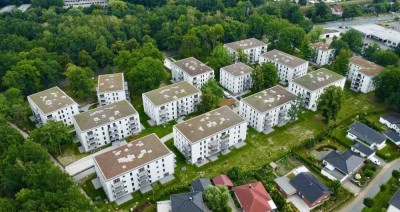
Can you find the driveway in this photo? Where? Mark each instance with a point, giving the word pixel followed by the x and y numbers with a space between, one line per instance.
pixel 373 187
pixel 348 185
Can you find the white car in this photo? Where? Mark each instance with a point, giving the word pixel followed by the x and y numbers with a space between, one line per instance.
pixel 227 95
pixel 375 161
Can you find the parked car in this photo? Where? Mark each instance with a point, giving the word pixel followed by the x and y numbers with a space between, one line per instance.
pixel 375 161
pixel 227 95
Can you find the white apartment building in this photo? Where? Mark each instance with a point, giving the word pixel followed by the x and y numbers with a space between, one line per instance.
pixel 171 102
pixel 84 3
pixel 112 88
pixel 267 108
pixel 209 134
pixel 236 77
pixel 53 104
pixel 323 53
pixel 361 73
pixel 252 47
pixel 106 124
pixel 191 70
pixel 313 85
pixel 134 166
pixel 289 67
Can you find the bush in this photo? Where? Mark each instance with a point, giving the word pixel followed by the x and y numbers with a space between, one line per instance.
pixel 369 202
pixel 396 174
pixel 368 173
pixel 383 187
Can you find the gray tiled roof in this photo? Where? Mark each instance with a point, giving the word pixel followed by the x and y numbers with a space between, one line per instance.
pixel 309 186
pixel 318 79
pixel 395 201
pixel 245 44
pixel 363 149
pixel 185 202
pixel 392 135
pixel 392 118
pixel 366 134
pixel 200 184
pixel 346 161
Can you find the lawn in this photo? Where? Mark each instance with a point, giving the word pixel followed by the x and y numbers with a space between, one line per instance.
pixel 160 131
pixel 382 198
pixel 389 152
pixel 70 154
pixel 328 143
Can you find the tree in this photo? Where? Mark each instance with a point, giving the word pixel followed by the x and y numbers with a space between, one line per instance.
pixel 210 97
pixel 338 44
pixel 315 33
pixel 80 81
pixel 397 50
pixel 387 87
pixel 291 38
pixel 270 74
pixel 217 198
pixel 146 75
pixel 385 58
pixel 296 107
pixel 52 136
pixel 219 58
pixel 354 39
pixel 242 56
pixel 335 187
pixel 10 136
pixel 330 103
pixel 215 33
pixel 85 60
pixel 341 64
pixel 351 11
pixel 370 50
pixel 396 174
pixel 23 76
pixel 190 45
pixel 258 79
pixel 369 202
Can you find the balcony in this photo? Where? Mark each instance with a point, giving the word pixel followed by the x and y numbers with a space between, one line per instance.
pixel 119 189
pixel 118 184
pixel 112 128
pixel 213 151
pixel 224 137
pixel 187 152
pixel 120 194
pixel 144 183
pixel 224 145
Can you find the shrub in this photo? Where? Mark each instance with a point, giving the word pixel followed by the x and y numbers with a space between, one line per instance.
pixel 396 174
pixel 383 187
pixel 369 202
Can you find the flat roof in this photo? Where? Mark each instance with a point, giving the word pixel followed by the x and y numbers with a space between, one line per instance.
pixel 284 58
pixel 103 115
pixel 192 66
pixel 245 44
pixel 238 69
pixel 170 93
pixel 318 79
pixel 51 100
pixel 322 46
pixel 378 31
pixel 7 8
pixel 208 124
pixel 110 82
pixel 270 98
pixel 327 30
pixel 130 156
pixel 24 7
pixel 367 67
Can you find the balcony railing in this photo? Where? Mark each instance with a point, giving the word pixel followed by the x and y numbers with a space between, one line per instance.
pixel 120 194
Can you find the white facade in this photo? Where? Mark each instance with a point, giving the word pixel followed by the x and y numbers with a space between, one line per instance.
pixel 323 53
pixel 252 47
pixel 392 208
pixel 111 88
pixel 236 77
pixel 263 116
pixel 171 102
pixel 192 71
pixel 313 85
pixel 289 67
pixel 209 134
pixel 394 126
pixel 361 73
pixel 53 104
pixel 84 3
pixel 133 166
pixel 329 33
pixel 107 124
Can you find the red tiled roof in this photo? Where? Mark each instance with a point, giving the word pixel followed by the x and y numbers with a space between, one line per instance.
pixel 222 180
pixel 253 197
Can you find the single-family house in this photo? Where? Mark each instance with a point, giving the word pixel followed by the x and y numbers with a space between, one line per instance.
pixel 363 150
pixel 200 184
pixel 394 203
pixel 223 180
pixel 391 120
pixel 184 202
pixel 340 165
pixel 253 197
pixel 362 133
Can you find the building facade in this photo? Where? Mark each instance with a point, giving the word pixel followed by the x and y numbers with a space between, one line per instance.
pixel 236 77
pixel 323 53
pixel 133 166
pixel 252 47
pixel 192 71
pixel 313 85
pixel 289 67
pixel 267 108
pixel 361 73
pixel 84 3
pixel 106 124
pixel 53 104
pixel 209 134
pixel 171 102
pixel 111 88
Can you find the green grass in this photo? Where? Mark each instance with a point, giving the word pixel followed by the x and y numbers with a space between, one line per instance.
pixel 70 154
pixel 326 143
pixel 390 151
pixel 89 189
pixel 160 131
pixel 382 198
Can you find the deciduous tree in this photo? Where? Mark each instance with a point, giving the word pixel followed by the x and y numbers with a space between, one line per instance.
pixel 210 97
pixel 341 64
pixel 330 103
pixel 146 75
pixel 385 58
pixel 80 81
pixel 387 87
pixel 219 58
pixel 354 39
pixel 217 198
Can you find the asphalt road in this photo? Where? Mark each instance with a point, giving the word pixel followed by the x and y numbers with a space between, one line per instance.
pixel 357 21
pixel 372 189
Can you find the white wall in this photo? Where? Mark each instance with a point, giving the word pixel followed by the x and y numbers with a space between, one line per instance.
pixel 253 54
pixel 235 84
pixel 64 114
pixel 286 73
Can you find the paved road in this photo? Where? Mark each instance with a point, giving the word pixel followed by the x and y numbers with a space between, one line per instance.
pixel 373 187
pixel 357 20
